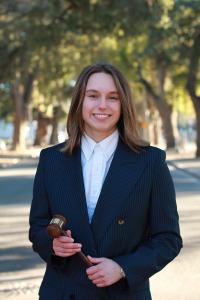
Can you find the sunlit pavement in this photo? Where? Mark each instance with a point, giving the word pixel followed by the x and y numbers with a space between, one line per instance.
pixel 180 279
pixel 21 269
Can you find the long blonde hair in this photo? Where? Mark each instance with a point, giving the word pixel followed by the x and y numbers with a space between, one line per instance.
pixel 127 124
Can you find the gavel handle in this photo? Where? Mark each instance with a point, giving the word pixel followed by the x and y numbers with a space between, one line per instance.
pixel 81 254
pixel 85 259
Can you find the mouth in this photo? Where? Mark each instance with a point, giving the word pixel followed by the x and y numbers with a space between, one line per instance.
pixel 101 116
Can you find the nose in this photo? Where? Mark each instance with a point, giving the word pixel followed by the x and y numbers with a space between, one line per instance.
pixel 102 103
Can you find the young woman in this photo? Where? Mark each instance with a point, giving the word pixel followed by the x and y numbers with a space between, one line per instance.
pixel 115 190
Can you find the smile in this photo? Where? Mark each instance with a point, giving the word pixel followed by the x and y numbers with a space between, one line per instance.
pixel 101 116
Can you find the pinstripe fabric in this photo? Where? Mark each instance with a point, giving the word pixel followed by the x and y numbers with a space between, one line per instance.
pixel 135 222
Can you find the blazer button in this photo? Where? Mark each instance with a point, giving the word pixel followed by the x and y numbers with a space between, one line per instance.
pixel 121 221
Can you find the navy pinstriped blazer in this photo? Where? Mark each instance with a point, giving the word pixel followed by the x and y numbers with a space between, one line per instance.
pixel 135 222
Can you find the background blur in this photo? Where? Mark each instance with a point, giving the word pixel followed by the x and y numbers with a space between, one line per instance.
pixel 43 47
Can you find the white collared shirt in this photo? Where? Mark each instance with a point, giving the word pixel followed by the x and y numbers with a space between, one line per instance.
pixel 96 159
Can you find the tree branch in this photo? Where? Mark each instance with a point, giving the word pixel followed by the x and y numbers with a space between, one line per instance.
pixel 148 86
pixel 7 62
pixel 29 85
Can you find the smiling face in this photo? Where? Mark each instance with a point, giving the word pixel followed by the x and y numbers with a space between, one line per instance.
pixel 101 106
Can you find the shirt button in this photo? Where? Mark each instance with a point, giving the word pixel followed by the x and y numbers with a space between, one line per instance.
pixel 121 221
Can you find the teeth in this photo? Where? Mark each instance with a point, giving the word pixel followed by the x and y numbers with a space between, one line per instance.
pixel 101 116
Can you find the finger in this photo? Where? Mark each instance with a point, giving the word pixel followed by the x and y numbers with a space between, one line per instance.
pixel 99 281
pixel 101 284
pixel 65 239
pixel 64 250
pixel 68 250
pixel 92 270
pixel 69 233
pixel 65 254
pixel 67 244
pixel 69 247
pixel 62 242
pixel 96 275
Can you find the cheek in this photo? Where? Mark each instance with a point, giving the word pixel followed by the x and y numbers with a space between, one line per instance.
pixel 86 110
pixel 118 110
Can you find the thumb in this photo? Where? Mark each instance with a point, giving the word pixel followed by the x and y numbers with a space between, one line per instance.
pixel 96 260
pixel 69 233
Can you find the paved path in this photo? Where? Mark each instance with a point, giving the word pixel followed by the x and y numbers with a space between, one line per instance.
pixel 21 269
pixel 180 279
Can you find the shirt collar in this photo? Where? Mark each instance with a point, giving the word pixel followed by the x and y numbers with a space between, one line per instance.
pixel 108 145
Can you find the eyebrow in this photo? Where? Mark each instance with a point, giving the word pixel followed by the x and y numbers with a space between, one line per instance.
pixel 96 91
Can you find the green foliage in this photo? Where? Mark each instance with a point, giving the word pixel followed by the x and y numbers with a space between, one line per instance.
pixel 6 107
pixel 62 36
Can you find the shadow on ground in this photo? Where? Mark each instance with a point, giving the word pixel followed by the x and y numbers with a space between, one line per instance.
pixel 18 259
pixel 16 190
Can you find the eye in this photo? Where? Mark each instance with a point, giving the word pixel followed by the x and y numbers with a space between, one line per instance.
pixel 113 98
pixel 92 96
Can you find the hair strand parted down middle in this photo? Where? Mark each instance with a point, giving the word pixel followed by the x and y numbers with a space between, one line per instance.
pixel 127 124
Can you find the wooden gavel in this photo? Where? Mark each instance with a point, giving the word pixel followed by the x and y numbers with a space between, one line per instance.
pixel 55 230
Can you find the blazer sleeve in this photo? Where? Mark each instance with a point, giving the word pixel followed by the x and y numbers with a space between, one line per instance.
pixel 164 241
pixel 40 215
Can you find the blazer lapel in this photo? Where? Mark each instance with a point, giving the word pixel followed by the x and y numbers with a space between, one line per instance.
pixel 75 209
pixel 125 169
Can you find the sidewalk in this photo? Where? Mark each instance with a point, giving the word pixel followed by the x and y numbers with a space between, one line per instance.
pixel 182 161
pixel 186 162
pixel 13 159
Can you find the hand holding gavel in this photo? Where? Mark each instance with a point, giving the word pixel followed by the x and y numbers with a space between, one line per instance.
pixel 55 230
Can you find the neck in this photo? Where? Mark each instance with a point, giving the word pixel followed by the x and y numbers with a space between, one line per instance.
pixel 100 136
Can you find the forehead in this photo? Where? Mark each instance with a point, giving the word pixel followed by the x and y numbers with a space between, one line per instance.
pixel 102 82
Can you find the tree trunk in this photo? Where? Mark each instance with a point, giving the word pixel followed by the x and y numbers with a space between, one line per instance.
pixel 42 124
pixel 19 134
pixel 191 86
pixel 164 109
pixel 198 130
pixel 19 119
pixel 165 112
pixel 55 120
pixel 21 94
pixel 155 134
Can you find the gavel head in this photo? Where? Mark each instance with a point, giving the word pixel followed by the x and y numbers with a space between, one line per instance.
pixel 56 226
